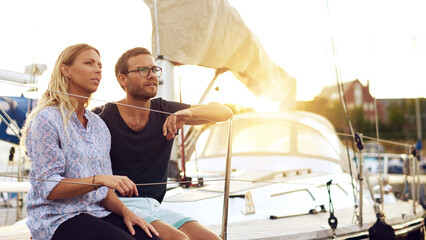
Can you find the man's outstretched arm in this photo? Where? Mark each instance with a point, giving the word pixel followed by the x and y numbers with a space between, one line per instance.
pixel 198 114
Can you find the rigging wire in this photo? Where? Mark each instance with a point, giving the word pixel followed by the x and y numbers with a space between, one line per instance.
pixel 344 108
pixel 235 117
pixel 378 157
pixel 163 112
pixel 174 181
pixel 9 121
pixel 342 98
pixel 162 183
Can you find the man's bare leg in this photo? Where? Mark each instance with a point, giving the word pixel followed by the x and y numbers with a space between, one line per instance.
pixel 196 231
pixel 168 232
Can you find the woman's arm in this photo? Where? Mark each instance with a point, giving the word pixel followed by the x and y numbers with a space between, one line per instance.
pixel 112 203
pixel 70 187
pixel 48 162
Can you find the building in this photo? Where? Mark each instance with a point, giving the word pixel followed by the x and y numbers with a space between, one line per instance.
pixel 355 95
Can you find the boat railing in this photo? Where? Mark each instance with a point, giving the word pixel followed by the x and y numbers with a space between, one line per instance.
pixel 382 162
pixel 19 187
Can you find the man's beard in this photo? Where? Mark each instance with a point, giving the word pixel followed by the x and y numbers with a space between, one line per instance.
pixel 139 93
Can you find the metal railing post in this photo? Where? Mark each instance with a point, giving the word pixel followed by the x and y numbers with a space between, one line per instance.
pixel 227 184
pixel 360 179
pixel 413 179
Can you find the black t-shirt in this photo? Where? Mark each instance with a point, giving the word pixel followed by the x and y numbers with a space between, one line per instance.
pixel 143 155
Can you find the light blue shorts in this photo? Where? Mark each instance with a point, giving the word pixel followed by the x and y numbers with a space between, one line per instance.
pixel 150 210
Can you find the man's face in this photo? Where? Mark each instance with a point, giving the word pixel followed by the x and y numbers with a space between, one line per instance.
pixel 141 87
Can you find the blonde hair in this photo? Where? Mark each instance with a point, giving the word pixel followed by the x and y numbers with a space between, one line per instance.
pixel 58 85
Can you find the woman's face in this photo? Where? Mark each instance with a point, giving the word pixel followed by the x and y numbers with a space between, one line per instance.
pixel 85 73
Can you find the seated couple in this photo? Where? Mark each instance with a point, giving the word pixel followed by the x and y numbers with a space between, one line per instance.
pixel 79 162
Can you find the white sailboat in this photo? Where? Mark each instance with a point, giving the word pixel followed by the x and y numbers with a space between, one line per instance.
pixel 264 185
pixel 289 176
pixel 278 175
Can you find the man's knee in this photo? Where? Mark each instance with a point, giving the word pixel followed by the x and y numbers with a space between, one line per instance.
pixel 197 231
pixel 168 232
pixel 182 237
pixel 206 235
pixel 177 235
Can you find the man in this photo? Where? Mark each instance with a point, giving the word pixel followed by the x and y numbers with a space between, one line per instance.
pixel 142 141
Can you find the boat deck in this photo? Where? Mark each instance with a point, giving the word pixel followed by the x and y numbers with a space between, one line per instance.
pixel 312 226
pixel 315 226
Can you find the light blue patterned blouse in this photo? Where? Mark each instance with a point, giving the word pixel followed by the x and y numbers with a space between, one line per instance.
pixel 55 156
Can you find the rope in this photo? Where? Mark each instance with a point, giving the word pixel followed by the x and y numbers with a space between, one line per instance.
pixel 235 117
pixel 172 182
pixel 105 101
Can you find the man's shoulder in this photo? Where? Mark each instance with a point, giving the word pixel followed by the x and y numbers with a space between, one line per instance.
pixel 157 100
pixel 165 105
pixel 104 109
pixel 162 100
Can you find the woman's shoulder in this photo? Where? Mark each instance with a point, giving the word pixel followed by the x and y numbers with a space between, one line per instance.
pixel 45 119
pixel 105 110
pixel 48 113
pixel 96 119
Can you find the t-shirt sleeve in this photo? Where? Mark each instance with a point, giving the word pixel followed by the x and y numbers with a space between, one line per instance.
pixel 172 107
pixel 98 110
pixel 47 158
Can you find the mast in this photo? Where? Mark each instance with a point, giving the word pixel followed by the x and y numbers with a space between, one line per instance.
pixel 167 87
pixel 30 76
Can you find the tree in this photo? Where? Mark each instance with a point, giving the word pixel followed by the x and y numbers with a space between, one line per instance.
pixel 394 126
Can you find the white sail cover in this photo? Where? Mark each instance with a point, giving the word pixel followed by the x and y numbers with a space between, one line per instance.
pixel 212 34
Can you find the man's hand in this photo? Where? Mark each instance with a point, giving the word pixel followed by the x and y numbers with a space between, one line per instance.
pixel 175 122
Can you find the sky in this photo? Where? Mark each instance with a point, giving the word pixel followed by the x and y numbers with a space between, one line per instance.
pixel 382 43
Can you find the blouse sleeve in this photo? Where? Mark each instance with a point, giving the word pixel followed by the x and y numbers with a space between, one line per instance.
pixel 47 158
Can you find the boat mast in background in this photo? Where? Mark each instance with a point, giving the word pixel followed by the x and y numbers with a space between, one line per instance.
pixel 30 76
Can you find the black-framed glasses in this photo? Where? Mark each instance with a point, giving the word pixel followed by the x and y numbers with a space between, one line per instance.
pixel 144 71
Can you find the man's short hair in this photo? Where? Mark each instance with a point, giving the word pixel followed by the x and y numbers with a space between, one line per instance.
pixel 121 65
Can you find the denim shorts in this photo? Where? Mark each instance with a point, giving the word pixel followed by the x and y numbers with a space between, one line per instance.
pixel 150 210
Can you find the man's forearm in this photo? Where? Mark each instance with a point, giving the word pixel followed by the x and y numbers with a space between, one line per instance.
pixel 214 112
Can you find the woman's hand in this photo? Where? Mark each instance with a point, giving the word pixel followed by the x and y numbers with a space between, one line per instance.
pixel 175 122
pixel 130 219
pixel 122 184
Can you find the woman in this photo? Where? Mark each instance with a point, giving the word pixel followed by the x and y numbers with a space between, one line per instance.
pixel 72 190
